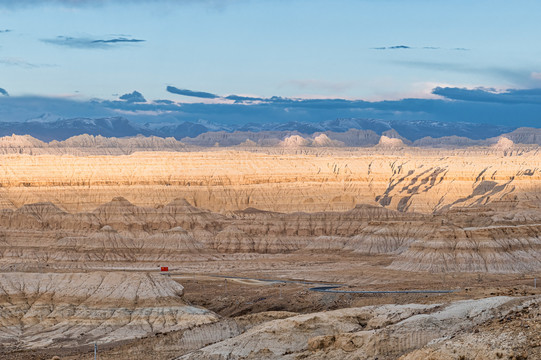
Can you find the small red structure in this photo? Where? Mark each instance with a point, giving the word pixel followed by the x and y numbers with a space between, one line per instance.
pixel 164 268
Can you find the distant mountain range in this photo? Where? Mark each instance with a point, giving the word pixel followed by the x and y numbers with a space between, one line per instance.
pixel 64 129
pixel 85 144
pixel 202 132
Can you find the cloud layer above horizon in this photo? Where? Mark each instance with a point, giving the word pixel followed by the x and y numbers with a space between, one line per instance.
pixel 513 108
pixel 510 96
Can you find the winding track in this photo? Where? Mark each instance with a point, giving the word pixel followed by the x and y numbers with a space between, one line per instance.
pixel 331 288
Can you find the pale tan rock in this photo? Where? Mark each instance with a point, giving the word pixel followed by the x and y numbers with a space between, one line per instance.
pixel 388 142
pixel 504 144
pixel 85 144
pixel 294 141
pixel 383 332
pixel 525 135
pixel 494 249
pixel 66 310
pixel 322 140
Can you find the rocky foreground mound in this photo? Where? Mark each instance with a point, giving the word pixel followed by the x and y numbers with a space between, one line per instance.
pixel 74 309
pixel 459 330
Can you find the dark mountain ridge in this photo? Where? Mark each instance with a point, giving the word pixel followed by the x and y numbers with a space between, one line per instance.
pixel 63 129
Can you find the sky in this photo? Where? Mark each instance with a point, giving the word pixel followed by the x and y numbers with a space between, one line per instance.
pixel 359 50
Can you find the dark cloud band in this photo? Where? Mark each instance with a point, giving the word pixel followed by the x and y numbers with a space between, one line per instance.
pixel 90 43
pixel 406 47
pixel 134 97
pixel 511 96
pixel 197 94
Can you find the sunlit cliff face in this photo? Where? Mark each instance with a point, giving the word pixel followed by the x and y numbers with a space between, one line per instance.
pixel 286 180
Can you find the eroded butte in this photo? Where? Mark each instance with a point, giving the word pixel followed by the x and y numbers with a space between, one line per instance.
pixel 273 253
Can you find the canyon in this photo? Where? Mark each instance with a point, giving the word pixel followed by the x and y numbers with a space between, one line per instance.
pixel 248 232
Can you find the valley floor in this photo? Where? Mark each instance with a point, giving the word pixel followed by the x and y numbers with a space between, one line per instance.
pixel 235 288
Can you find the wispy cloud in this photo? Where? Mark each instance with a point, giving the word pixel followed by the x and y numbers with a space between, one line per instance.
pixel 516 76
pixel 407 47
pixel 395 47
pixel 91 43
pixel 11 61
pixel 536 75
pixel 116 41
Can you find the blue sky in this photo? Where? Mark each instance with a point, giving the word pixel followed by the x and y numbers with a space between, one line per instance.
pixel 369 50
pixel 295 48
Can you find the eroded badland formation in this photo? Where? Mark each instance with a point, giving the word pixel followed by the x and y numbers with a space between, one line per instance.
pixel 249 231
